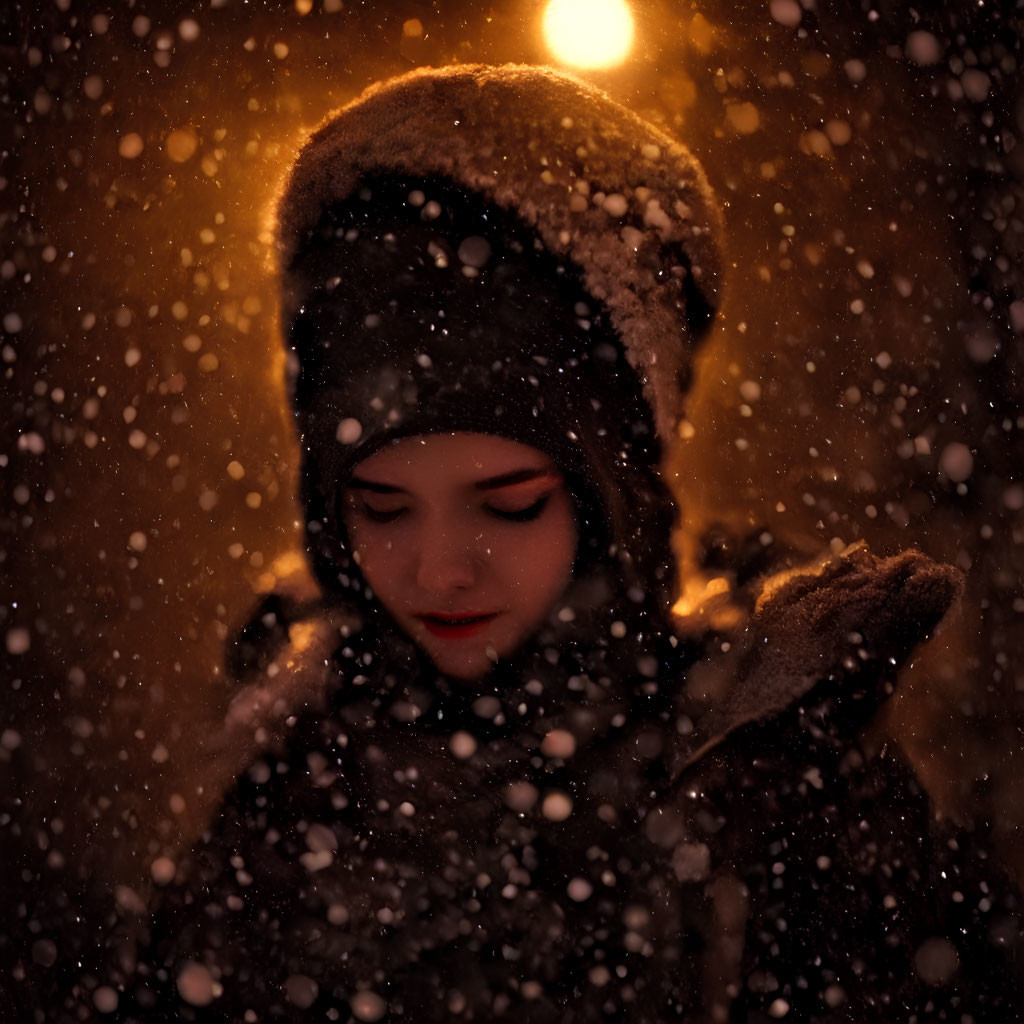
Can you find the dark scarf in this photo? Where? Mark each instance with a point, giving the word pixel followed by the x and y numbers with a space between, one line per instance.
pixel 415 807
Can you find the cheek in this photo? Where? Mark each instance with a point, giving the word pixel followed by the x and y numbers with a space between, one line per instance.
pixel 379 557
pixel 542 566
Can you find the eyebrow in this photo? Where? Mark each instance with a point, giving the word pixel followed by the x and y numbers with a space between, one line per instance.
pixel 358 484
pixel 516 476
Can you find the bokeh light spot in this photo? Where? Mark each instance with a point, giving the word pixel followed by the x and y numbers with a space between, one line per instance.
pixel 588 34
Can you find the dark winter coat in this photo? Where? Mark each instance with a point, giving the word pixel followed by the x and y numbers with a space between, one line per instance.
pixel 740 860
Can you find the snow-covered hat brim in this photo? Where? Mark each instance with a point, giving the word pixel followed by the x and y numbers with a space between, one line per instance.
pixel 600 186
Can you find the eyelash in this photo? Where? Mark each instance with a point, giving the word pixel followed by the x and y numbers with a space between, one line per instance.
pixel 519 515
pixel 377 516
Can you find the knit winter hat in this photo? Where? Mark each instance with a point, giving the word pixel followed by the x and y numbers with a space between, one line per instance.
pixel 601 188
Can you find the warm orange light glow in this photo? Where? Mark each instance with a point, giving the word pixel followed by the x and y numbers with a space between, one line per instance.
pixel 588 34
pixel 698 592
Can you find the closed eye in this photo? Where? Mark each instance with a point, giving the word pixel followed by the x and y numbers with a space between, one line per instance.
pixel 520 515
pixel 381 515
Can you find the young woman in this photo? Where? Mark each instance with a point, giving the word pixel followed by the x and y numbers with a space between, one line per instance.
pixel 509 798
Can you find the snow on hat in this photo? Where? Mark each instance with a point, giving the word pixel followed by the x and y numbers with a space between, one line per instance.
pixel 612 195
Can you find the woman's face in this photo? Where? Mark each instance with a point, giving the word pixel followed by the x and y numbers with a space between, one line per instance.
pixel 466 539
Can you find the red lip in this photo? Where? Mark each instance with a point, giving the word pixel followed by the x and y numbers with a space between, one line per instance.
pixel 455 625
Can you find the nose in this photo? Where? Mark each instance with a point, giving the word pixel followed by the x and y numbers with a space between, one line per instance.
pixel 447 562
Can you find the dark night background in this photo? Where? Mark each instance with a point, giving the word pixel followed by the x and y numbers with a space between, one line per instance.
pixel 863 383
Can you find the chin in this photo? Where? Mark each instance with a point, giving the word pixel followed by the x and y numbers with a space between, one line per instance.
pixel 466 669
pixel 466 661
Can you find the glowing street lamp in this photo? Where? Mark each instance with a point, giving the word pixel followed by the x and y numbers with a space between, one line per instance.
pixel 588 34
